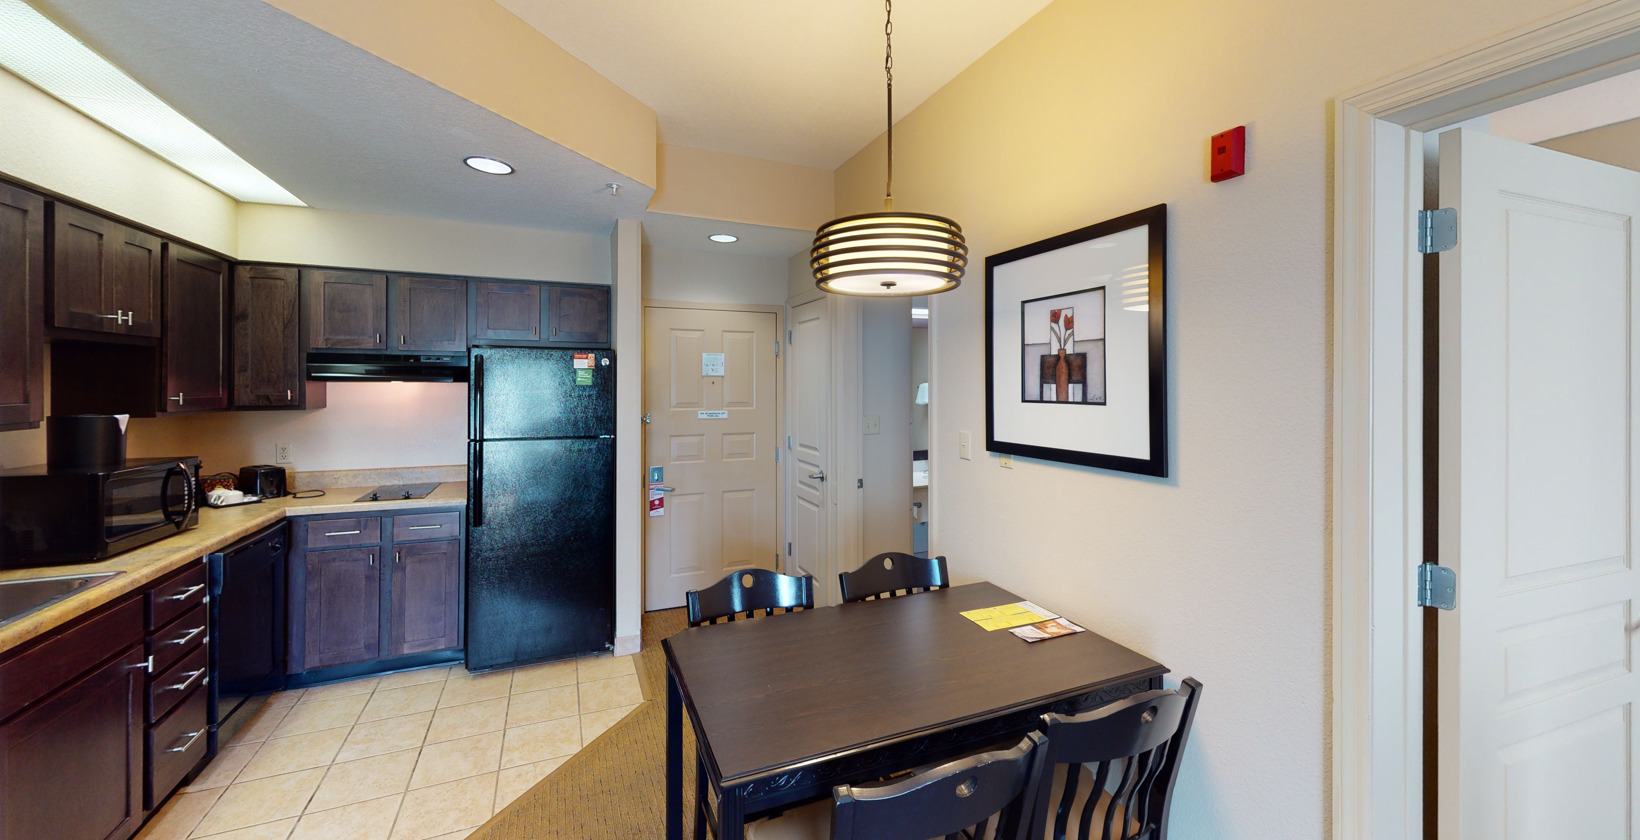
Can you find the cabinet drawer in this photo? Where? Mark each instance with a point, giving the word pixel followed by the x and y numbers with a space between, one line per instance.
pixel 328 533
pixel 174 683
pixel 175 746
pixel 169 644
pixel 47 666
pixel 176 596
pixel 426 526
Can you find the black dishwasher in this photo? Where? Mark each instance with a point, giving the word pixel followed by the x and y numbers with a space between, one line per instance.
pixel 247 628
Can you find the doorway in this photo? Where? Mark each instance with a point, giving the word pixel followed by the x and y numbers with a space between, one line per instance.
pixel 809 446
pixel 921 407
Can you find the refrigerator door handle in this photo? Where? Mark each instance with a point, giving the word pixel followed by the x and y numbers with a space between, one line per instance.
pixel 475 505
pixel 478 396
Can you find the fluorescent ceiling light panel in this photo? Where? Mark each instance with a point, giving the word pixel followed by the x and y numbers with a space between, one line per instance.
pixel 57 63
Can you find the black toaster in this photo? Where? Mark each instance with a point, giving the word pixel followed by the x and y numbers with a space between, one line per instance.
pixel 263 480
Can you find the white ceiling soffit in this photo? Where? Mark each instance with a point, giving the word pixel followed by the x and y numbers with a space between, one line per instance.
pixel 665 230
pixel 1593 105
pixel 40 52
pixel 340 128
pixel 797 82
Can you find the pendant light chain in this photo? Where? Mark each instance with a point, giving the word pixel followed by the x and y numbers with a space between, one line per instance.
pixel 888 70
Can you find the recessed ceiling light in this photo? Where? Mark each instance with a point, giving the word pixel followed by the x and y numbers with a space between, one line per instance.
pixel 488 165
pixel 723 237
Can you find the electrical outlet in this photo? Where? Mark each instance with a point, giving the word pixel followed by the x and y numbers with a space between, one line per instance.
pixel 1007 462
pixel 965 446
pixel 281 453
pixel 874 424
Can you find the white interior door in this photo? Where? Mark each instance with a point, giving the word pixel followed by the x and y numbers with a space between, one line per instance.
pixel 807 485
pixel 712 395
pixel 1537 505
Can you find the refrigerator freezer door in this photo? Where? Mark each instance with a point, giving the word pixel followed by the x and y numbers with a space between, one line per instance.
pixel 541 565
pixel 522 393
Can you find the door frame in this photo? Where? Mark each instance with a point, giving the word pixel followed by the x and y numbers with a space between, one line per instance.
pixel 1378 387
pixel 779 313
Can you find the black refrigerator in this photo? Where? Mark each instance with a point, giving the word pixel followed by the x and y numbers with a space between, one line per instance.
pixel 540 505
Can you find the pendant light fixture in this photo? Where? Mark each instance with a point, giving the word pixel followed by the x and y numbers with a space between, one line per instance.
pixel 889 254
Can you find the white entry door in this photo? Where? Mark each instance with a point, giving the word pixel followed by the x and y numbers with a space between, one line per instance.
pixel 1537 507
pixel 807 487
pixel 712 397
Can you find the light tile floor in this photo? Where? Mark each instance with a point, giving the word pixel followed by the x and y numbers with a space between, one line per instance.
pixel 409 756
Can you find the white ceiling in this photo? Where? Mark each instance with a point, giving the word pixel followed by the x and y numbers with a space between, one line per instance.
pixel 339 127
pixel 785 80
pixel 665 230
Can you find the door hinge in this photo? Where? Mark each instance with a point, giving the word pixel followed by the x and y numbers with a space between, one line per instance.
pixel 788 336
pixel 646 418
pixel 777 348
pixel 859 484
pixel 788 441
pixel 1437 586
pixel 788 549
pixel 1437 230
pixel 777 561
pixel 777 454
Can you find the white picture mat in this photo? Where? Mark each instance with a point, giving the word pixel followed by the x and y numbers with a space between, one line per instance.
pixel 1121 427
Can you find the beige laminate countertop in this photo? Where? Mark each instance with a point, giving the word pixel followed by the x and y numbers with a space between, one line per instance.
pixel 218 528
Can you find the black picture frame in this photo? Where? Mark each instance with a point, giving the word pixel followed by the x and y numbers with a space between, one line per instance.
pixel 1154 351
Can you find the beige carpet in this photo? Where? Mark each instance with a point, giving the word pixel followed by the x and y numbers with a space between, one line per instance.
pixel 614 787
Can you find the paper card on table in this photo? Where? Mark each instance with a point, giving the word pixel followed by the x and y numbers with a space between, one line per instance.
pixel 1049 629
pixel 1008 615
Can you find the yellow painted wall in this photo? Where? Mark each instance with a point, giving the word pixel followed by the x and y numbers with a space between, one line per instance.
pixel 736 188
pixel 1094 109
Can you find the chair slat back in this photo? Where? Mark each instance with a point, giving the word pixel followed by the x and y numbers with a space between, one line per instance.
pixel 946 799
pixel 1137 743
pixel 741 594
pixel 894 573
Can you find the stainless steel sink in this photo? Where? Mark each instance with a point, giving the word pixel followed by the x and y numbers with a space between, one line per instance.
pixel 21 597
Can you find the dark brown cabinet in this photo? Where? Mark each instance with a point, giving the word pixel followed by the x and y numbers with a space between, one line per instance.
pixel 578 315
pixel 426 585
pixel 430 314
pixel 506 312
pixel 105 276
pixel 267 340
pixel 22 308
pixel 341 607
pixel 347 310
pixel 194 347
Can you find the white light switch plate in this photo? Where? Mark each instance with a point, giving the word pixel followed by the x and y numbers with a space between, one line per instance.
pixel 965 446
pixel 874 424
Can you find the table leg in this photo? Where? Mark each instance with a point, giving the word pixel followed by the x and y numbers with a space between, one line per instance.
pixel 732 814
pixel 674 758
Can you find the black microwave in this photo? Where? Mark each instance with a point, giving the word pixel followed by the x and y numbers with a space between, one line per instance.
pixel 53 516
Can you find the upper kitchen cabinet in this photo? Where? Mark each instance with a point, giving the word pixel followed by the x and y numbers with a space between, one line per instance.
pixel 347 310
pixel 267 340
pixel 506 313
pixel 22 308
pixel 430 314
pixel 105 276
pixel 578 315
pixel 194 347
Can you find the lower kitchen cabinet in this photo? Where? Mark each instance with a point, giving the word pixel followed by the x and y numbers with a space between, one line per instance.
pixel 368 592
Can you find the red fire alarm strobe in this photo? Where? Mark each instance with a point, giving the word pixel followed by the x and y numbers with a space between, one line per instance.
pixel 1229 154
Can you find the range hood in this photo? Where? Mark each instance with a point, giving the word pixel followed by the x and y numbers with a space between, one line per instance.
pixel 383 367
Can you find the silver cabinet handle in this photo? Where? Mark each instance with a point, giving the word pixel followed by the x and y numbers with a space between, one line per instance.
pixel 378 338
pixel 423 527
pixel 183 686
pixel 287 395
pixel 191 633
pixel 118 319
pixel 343 533
pixel 372 557
pixel 178 398
pixel 147 666
pixel 819 476
pixel 192 737
pixel 183 595
pixel 130 318
pixel 397 558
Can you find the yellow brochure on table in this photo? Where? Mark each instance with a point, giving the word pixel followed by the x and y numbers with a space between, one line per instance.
pixel 1008 615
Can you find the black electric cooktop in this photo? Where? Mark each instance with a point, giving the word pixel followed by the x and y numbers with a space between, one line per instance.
pixel 389 492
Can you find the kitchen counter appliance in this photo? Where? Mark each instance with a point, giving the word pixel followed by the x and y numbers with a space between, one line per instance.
pixel 247 621
pixel 52 516
pixel 264 480
pixel 541 505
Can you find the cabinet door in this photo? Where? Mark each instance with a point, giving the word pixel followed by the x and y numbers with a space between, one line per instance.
pixel 71 766
pixel 81 262
pixel 22 308
pixel 347 310
pixel 195 342
pixel 579 314
pixel 430 314
pixel 135 281
pixel 342 607
pixel 509 312
pixel 426 597
pixel 267 341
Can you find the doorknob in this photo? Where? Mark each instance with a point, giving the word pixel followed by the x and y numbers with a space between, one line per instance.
pixel 819 476
pixel 663 489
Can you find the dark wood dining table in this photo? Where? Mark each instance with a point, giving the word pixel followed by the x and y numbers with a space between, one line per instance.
pixel 784 707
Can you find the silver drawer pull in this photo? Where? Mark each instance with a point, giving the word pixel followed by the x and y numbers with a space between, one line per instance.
pixel 424 527
pixel 181 686
pixel 191 633
pixel 147 665
pixel 342 533
pixel 191 736
pixel 183 595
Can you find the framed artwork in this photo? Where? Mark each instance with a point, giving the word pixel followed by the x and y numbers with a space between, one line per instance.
pixel 1076 346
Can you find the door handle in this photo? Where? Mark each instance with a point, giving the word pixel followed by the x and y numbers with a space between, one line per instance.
pixel 664 489
pixel 819 476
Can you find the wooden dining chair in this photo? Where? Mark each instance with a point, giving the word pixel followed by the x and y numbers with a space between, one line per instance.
pixel 957 799
pixel 894 573
pixel 1137 743
pixel 743 593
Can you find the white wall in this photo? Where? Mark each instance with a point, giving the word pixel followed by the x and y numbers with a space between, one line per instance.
pixel 626 248
pixel 706 277
pixel 885 523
